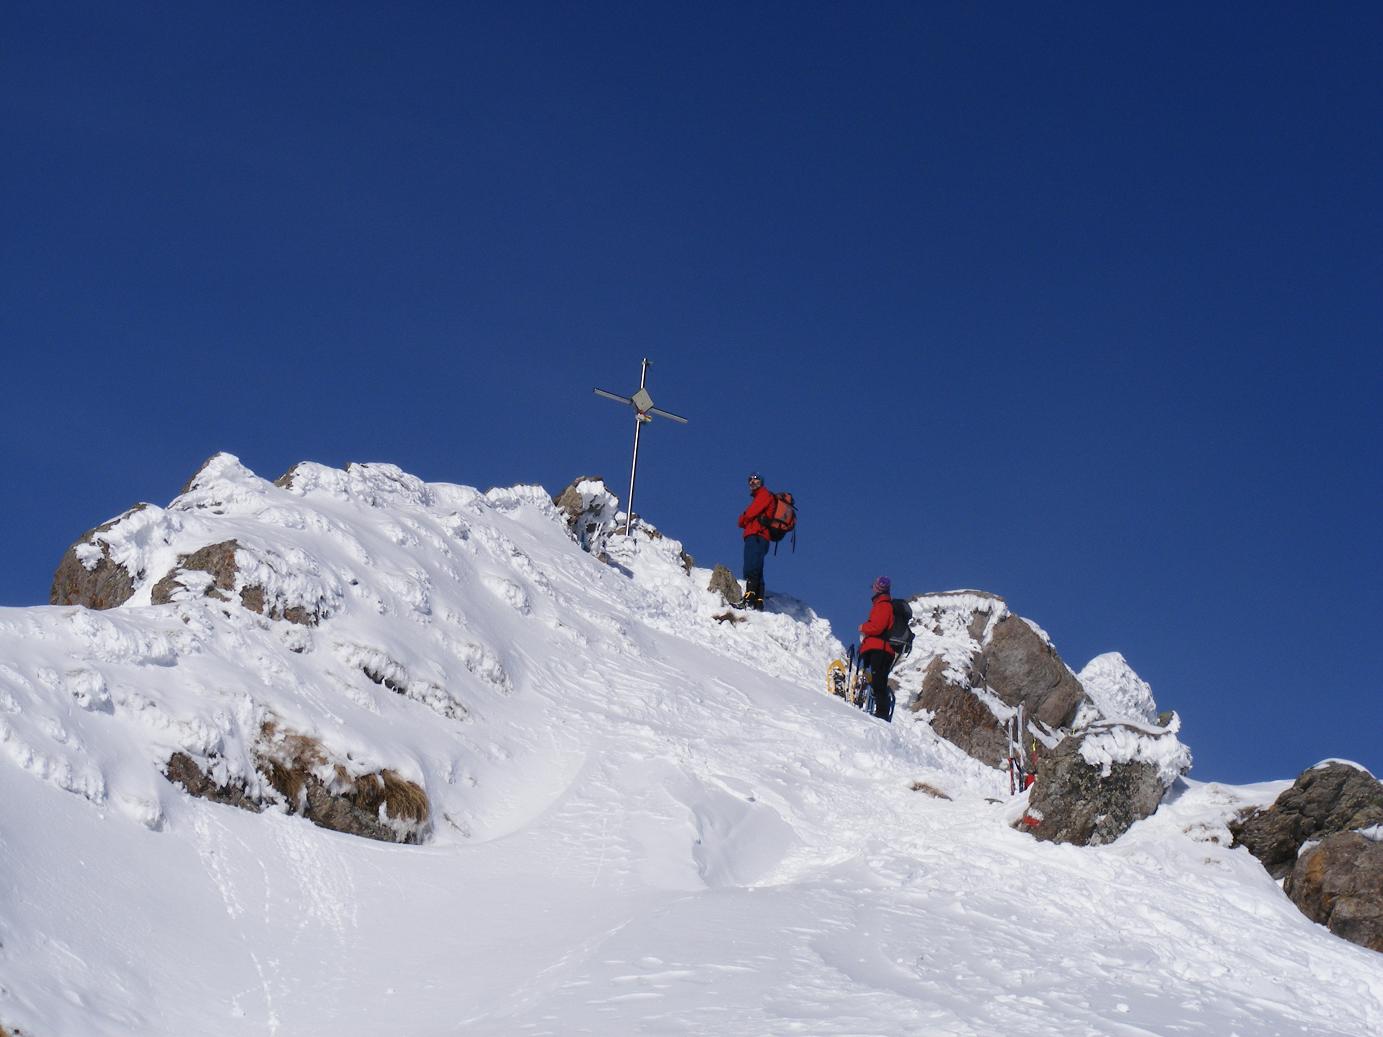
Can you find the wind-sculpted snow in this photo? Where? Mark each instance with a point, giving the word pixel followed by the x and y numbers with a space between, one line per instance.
pixel 644 819
pixel 1118 692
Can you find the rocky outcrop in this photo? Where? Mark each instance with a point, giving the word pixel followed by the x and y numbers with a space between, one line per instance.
pixel 296 773
pixel 1022 668
pixel 212 572
pixel 980 663
pixel 590 510
pixel 1330 797
pixel 1093 786
pixel 88 576
pixel 723 582
pixel 1338 883
pixel 959 714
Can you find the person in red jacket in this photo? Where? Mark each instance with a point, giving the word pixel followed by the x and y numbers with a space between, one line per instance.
pixel 756 540
pixel 876 654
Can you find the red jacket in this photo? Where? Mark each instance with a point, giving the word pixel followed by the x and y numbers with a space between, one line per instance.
pixel 758 508
pixel 875 629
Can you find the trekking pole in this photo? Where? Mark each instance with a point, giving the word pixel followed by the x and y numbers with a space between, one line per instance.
pixel 849 669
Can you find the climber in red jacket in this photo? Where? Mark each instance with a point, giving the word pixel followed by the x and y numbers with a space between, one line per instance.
pixel 756 540
pixel 876 654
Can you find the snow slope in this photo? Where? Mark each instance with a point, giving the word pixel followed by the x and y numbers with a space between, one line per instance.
pixel 645 820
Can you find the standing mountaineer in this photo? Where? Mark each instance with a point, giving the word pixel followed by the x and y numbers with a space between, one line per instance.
pixel 876 653
pixel 756 541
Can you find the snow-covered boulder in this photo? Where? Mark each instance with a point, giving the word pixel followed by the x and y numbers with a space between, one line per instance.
pixel 974 663
pixel 88 575
pixel 1116 691
pixel 1333 796
pixel 295 772
pixel 590 510
pixel 1338 882
pixel 1096 784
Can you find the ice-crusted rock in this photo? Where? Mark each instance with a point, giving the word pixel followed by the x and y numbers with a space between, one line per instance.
pixel 215 571
pixel 1096 784
pixel 1333 796
pixel 1101 764
pixel 296 773
pixel 1116 691
pixel 590 510
pixel 974 663
pixel 1338 883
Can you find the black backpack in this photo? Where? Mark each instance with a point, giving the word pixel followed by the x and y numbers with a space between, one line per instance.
pixel 900 635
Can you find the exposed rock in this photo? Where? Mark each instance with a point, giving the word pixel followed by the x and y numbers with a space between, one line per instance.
pixel 1023 668
pixel 1328 798
pixel 1075 800
pixel 979 663
pixel 286 480
pixel 1339 884
pixel 960 716
pixel 88 576
pixel 724 583
pixel 183 770
pixel 301 777
pixel 218 562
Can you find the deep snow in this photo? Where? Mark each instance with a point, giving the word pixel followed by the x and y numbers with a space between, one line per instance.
pixel 646 819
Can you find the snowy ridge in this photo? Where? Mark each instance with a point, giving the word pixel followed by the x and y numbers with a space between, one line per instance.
pixel 644 819
pixel 432 598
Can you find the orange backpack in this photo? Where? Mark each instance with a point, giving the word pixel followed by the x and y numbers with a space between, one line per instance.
pixel 781 518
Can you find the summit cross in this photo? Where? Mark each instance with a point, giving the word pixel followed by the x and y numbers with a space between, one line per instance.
pixel 643 414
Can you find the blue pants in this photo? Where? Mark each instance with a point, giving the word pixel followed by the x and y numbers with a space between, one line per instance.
pixel 755 550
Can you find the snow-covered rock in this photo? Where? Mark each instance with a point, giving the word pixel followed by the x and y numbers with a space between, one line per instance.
pixel 1098 782
pixel 974 664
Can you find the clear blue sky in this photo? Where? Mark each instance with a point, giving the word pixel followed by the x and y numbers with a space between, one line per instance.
pixel 1080 307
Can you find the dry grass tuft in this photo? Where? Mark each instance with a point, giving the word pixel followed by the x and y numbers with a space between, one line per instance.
pixel 931 790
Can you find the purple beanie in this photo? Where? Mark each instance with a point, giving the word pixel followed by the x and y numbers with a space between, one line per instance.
pixel 883 583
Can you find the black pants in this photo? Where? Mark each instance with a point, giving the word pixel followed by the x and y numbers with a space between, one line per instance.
pixel 879 662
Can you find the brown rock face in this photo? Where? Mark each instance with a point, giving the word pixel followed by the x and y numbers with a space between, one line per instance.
pixel 106 585
pixel 960 716
pixel 291 765
pixel 1022 668
pixel 1006 656
pixel 1332 798
pixel 1074 802
pixel 218 561
pixel 1339 884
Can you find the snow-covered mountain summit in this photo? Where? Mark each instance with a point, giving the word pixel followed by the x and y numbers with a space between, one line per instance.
pixel 622 812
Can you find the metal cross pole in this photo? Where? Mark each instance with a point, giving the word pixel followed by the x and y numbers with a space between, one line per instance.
pixel 643 413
